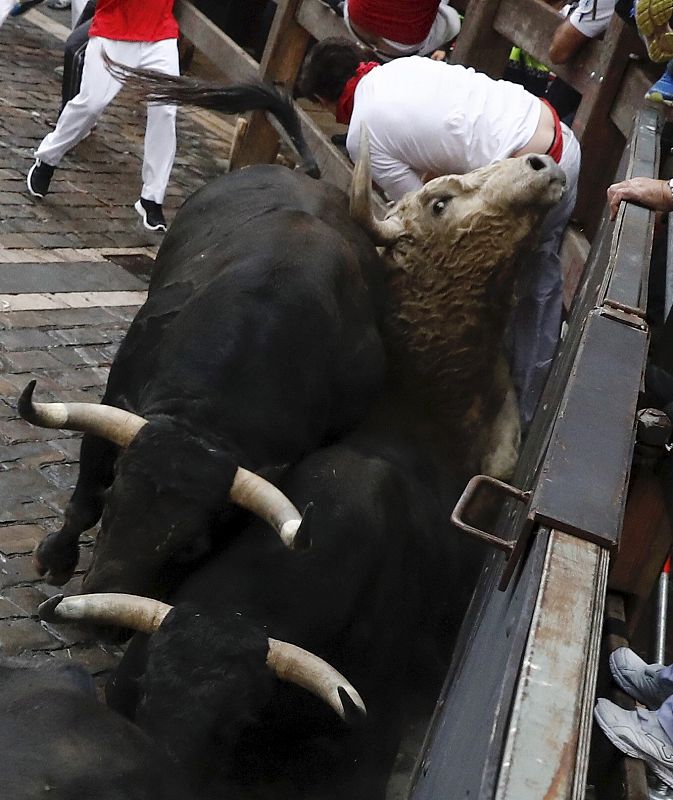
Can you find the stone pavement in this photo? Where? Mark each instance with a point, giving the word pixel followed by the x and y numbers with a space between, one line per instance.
pixel 73 272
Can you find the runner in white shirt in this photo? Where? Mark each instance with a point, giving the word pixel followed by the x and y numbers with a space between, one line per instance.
pixel 428 118
pixel 584 20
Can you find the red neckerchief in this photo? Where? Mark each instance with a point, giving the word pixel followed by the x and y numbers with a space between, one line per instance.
pixel 344 109
pixel 556 147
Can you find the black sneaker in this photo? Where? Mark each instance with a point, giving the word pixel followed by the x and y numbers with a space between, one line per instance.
pixel 152 214
pixel 39 178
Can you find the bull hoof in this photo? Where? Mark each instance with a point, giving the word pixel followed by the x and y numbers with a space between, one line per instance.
pixel 55 562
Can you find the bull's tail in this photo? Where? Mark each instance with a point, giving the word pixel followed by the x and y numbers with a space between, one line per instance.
pixel 157 87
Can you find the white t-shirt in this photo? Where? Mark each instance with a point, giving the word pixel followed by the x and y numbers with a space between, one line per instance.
pixel 591 17
pixel 428 116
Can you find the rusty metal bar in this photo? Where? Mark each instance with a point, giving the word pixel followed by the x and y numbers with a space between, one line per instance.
pixel 473 486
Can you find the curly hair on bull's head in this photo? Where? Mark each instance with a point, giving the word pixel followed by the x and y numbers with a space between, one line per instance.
pixel 328 67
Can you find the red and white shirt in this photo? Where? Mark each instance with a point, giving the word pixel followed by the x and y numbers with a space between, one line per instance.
pixel 404 21
pixel 134 20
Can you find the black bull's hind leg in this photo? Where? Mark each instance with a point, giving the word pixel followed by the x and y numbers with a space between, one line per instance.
pixel 58 553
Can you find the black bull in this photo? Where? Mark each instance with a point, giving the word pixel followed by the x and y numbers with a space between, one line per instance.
pixel 379 595
pixel 258 343
pixel 58 741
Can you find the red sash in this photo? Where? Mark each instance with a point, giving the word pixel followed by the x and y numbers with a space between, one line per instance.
pixel 556 147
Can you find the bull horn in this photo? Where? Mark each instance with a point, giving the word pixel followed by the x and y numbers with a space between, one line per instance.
pixel 107 422
pixel 290 663
pixel 112 608
pixel 257 495
pixel 384 232
pixel 295 665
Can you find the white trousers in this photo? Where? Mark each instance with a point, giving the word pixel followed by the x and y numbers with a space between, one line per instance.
pixel 76 8
pixel 5 7
pixel 97 91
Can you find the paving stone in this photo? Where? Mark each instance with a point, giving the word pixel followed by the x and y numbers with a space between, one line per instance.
pixel 15 539
pixel 51 327
pixel 21 601
pixel 31 454
pixel 17 430
pixel 27 361
pixel 18 635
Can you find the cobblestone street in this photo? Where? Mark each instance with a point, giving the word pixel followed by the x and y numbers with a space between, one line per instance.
pixel 73 271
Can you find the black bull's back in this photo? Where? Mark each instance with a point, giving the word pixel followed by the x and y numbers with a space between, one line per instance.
pixel 378 595
pixel 261 316
pixel 258 343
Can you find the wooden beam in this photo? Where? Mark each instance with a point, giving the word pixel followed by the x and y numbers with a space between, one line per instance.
pixel 320 21
pixel 644 545
pixel 223 51
pixel 282 59
pixel 530 24
pixel 638 78
pixel 602 142
pixel 574 253
pixel 479 45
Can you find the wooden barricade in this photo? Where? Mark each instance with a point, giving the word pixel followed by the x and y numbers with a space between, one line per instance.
pixel 611 74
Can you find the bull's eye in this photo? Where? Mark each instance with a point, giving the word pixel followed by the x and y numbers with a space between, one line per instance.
pixel 439 205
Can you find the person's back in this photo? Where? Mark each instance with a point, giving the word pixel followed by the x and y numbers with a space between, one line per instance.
pixel 428 116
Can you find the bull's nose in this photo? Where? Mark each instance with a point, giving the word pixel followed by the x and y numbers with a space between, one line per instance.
pixel 537 162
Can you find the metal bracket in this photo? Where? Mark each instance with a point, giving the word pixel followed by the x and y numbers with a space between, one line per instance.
pixel 513 548
pixel 628 315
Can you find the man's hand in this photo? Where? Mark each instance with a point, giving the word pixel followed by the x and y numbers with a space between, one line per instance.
pixel 648 192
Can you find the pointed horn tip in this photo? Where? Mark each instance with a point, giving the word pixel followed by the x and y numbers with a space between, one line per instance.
pixel 302 538
pixel 288 532
pixel 47 610
pixel 353 710
pixel 25 404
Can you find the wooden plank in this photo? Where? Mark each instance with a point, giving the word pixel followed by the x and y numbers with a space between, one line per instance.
pixel 637 80
pixel 613 774
pixel 223 51
pixel 530 24
pixel 479 45
pixel 644 545
pixel 626 282
pixel 320 21
pixel 282 59
pixel 574 255
pixel 602 142
pixel 547 744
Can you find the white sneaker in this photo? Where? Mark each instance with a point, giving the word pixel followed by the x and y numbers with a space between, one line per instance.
pixel 638 679
pixel 637 734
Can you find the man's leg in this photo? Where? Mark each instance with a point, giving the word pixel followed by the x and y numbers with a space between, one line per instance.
pixel 536 321
pixel 78 39
pixel 98 89
pixel 77 8
pixel 5 7
pixel 160 140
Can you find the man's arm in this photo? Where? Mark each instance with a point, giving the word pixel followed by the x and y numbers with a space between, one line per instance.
pixel 567 40
pixel 648 192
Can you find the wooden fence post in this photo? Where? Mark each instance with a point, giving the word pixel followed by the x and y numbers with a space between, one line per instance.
pixel 282 59
pixel 601 140
pixel 479 45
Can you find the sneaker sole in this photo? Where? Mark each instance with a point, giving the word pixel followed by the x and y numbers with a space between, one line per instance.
pixel 666 777
pixel 30 188
pixel 659 99
pixel 652 18
pixel 154 228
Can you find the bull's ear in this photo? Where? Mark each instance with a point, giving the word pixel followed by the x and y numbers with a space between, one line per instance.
pixel 384 232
